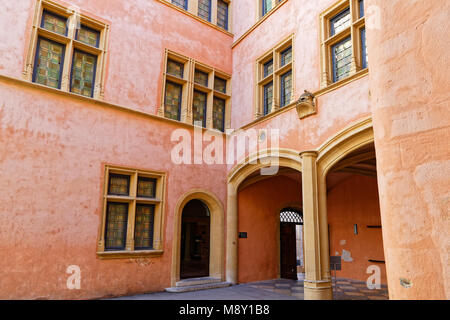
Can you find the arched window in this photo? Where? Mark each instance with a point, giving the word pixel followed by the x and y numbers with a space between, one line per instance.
pixel 290 215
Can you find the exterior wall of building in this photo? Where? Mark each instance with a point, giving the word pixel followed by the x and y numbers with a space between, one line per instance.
pixel 410 96
pixel 139 33
pixel 54 149
pixel 355 201
pixel 259 216
pixel 55 144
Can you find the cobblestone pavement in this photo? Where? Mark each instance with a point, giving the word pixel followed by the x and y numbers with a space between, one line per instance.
pixel 277 289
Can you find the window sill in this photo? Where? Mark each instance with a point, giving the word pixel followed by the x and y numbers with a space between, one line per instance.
pixel 343 82
pixel 128 254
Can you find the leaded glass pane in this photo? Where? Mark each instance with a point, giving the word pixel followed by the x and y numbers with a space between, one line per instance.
pixel 181 3
pixel 286 88
pixel 342 59
pixel 268 68
pixel 266 6
pixel 116 226
pixel 340 21
pixel 268 98
pixel 54 23
pixel 222 14
pixel 361 8
pixel 83 73
pixel 49 63
pixel 119 184
pixel 204 9
pixel 146 187
pixel 286 56
pixel 219 114
pixel 199 107
pixel 88 36
pixel 143 230
pixel 175 68
pixel 201 78
pixel 365 61
pixel 172 103
pixel 220 85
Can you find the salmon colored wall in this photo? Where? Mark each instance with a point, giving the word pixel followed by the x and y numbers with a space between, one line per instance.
pixel 410 94
pixel 355 201
pixel 259 208
pixel 52 156
pixel 137 41
pixel 298 17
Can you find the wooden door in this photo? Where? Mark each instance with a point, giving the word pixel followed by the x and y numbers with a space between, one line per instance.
pixel 288 253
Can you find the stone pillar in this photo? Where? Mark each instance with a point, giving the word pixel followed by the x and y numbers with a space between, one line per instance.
pixel 317 281
pixel 412 131
pixel 232 235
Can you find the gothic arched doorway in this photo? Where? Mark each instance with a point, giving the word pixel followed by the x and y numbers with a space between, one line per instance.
pixel 195 240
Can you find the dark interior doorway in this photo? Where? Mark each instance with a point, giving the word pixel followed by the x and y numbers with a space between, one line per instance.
pixel 289 219
pixel 195 240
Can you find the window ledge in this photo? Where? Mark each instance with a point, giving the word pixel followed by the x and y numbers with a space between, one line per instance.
pixel 269 115
pixel 343 82
pixel 128 254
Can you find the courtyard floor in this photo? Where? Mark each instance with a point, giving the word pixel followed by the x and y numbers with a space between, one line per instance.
pixel 278 289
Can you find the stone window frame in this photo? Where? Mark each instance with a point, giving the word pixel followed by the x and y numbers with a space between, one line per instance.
pixel 328 40
pixel 70 44
pixel 132 200
pixel 278 71
pixel 192 10
pixel 189 85
pixel 260 5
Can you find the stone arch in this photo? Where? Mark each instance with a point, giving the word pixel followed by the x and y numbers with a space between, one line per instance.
pixel 216 267
pixel 281 157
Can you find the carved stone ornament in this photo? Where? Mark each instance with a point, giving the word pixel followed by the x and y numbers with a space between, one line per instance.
pixel 306 105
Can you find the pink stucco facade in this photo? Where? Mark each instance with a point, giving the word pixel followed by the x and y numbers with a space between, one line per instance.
pixel 54 145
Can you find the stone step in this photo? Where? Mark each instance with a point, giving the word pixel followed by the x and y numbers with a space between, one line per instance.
pixel 196 281
pixel 211 285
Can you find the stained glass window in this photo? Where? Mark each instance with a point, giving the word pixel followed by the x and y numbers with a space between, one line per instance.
pixel 222 14
pixel 340 21
pixel 199 107
pixel 220 85
pixel 268 68
pixel 119 184
pixel 268 98
pixel 54 23
pixel 143 230
pixel 266 6
pixel 146 187
pixel 88 36
pixel 172 103
pixel 219 114
pixel 201 78
pixel 342 59
pixel 204 9
pixel 116 226
pixel 83 73
pixel 365 61
pixel 286 88
pixel 286 56
pixel 175 68
pixel 181 3
pixel 49 63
